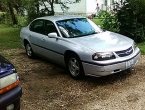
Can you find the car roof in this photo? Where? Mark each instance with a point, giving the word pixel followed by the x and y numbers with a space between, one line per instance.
pixel 60 17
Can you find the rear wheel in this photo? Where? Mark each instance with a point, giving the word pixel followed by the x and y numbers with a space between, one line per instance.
pixel 74 67
pixel 29 50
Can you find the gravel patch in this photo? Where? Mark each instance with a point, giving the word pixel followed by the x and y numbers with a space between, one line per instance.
pixel 47 86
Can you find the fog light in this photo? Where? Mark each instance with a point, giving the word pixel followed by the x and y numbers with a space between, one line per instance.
pixel 10 107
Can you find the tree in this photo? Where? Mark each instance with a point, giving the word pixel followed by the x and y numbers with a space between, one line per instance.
pixel 11 6
pixel 1 6
pixel 34 11
pixel 63 4
pixel 131 18
pixel 51 3
pixel 128 18
pixel 11 10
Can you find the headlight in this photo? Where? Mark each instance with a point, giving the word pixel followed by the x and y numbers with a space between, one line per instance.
pixel 8 82
pixel 103 56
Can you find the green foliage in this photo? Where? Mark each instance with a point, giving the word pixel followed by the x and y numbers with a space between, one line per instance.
pixel 127 19
pixel 12 9
pixel 31 8
pixel 101 14
pixel 9 37
pixel 22 21
pixel 131 18
pixel 2 15
pixel 142 47
pixel 5 18
pixel 109 21
pixel 97 21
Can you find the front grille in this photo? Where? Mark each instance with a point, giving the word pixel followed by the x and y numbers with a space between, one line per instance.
pixel 124 53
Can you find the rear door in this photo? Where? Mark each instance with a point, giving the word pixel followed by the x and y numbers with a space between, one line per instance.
pixel 37 35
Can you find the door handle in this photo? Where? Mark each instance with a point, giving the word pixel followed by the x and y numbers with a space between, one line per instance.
pixel 43 39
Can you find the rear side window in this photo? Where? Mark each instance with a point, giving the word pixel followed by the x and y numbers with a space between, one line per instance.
pixel 37 26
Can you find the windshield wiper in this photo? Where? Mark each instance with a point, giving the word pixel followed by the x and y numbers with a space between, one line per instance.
pixel 91 33
pixel 84 35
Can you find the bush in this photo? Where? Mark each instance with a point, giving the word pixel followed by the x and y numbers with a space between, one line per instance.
pixel 5 18
pixel 101 14
pixel 127 19
pixel 109 21
pixel 132 20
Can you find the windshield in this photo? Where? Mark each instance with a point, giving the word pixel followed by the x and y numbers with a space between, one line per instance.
pixel 77 27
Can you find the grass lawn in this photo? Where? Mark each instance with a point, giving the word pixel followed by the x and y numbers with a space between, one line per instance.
pixel 9 37
pixel 142 47
pixel 97 21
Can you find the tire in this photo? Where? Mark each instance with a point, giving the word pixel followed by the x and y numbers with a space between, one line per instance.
pixel 74 67
pixel 18 105
pixel 29 50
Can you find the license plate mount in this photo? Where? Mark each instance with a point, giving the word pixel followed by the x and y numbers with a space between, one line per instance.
pixel 129 63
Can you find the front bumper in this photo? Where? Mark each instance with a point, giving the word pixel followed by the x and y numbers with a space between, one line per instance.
pixel 11 98
pixel 93 69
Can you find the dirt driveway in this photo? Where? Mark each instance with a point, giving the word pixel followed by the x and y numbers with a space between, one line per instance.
pixel 48 87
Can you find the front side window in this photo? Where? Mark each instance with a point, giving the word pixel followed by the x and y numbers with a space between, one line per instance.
pixel 37 26
pixel 49 27
pixel 77 27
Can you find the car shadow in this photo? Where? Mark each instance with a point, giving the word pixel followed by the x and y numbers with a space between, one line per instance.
pixel 110 79
pixel 104 80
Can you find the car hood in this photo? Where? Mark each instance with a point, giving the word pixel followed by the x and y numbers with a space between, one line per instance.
pixel 5 66
pixel 104 42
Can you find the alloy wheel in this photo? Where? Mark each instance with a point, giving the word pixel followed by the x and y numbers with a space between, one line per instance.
pixel 28 50
pixel 74 67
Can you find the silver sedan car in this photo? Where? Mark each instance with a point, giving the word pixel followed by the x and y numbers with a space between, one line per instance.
pixel 80 45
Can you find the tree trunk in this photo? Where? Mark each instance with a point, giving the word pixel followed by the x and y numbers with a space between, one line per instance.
pixel 52 7
pixel 37 6
pixel 14 19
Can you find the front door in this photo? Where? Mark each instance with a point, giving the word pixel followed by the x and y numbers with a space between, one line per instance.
pixel 52 46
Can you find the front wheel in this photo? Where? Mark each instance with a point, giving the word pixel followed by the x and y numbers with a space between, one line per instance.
pixel 74 67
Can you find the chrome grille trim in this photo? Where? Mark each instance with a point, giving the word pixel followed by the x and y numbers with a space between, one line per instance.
pixel 124 53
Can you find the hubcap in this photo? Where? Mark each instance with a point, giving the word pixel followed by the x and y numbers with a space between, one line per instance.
pixel 28 50
pixel 74 67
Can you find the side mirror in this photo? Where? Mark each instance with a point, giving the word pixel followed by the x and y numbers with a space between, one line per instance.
pixel 53 35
